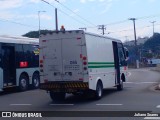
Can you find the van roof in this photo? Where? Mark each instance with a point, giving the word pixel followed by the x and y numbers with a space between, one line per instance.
pixel 77 31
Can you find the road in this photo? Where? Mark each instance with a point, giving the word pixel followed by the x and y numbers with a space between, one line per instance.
pixel 138 95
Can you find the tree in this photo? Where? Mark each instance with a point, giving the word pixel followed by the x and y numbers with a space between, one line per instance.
pixel 35 34
pixel 153 44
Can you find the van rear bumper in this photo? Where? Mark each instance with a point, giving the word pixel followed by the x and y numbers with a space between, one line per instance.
pixel 64 86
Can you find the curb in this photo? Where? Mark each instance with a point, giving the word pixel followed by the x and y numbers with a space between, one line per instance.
pixel 157 87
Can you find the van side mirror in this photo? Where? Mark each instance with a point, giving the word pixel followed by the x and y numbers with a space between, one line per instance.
pixel 127 54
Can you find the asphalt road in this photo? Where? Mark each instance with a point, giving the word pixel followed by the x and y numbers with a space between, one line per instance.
pixel 138 95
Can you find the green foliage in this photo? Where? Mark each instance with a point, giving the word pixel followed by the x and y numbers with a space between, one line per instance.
pixel 148 55
pixel 153 44
pixel 35 34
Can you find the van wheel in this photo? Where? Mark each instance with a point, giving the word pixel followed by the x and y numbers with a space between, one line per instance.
pixel 120 86
pixel 23 83
pixel 99 90
pixel 57 96
pixel 35 81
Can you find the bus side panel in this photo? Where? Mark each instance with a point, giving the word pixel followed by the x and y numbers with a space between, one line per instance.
pixel 100 61
pixel 29 71
pixel 1 70
pixel 30 54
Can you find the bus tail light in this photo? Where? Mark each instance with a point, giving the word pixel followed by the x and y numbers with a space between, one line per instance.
pixel 23 64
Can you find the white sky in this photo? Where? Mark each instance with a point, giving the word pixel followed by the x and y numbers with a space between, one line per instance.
pixel 92 13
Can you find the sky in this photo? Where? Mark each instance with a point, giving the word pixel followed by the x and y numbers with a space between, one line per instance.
pixel 18 17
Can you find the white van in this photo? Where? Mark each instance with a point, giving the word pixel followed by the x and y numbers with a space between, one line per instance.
pixel 75 61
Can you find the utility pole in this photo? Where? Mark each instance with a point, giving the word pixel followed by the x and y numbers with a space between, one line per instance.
pixel 102 27
pixel 39 21
pixel 153 26
pixel 56 18
pixel 136 49
pixel 126 38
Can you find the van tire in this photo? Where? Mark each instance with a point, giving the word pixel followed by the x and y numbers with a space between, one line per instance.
pixel 99 90
pixel 57 96
pixel 23 82
pixel 35 80
pixel 120 86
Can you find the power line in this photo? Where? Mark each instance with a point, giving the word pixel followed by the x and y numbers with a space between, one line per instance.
pixel 147 17
pixel 123 21
pixel 31 26
pixel 153 26
pixel 75 13
pixel 132 29
pixel 63 12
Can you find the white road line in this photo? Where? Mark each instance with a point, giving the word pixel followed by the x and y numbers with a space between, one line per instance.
pixel 152 118
pixel 141 82
pixel 109 104
pixel 129 74
pixel 62 104
pixel 158 106
pixel 20 104
pixel 128 82
pixel 149 82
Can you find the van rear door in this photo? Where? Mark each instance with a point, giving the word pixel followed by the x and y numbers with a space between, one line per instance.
pixel 63 60
pixel 71 59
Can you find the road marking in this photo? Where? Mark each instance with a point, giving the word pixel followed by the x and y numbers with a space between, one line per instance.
pixel 128 82
pixel 149 82
pixel 152 118
pixel 61 104
pixel 109 104
pixel 158 106
pixel 129 74
pixel 141 82
pixel 20 104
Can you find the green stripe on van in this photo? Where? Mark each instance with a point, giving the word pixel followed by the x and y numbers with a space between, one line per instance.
pixel 100 64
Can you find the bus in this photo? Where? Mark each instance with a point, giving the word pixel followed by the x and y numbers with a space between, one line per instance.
pixel 19 62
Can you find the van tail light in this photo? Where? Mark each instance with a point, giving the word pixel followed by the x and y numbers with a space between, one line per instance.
pixel 85 68
pixel 41 61
pixel 84 63
pixel 80 78
pixel 41 65
pixel 84 58
pixel 45 81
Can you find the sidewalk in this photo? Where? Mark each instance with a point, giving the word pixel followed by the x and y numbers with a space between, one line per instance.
pixel 157 87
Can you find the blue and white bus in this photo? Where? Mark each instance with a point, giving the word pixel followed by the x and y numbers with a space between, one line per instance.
pixel 19 62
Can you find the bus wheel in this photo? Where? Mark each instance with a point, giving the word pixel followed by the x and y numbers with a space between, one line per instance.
pixel 120 86
pixel 35 80
pixel 99 90
pixel 57 96
pixel 23 83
